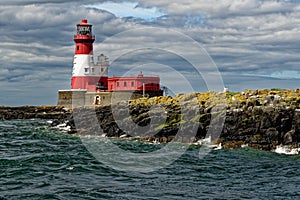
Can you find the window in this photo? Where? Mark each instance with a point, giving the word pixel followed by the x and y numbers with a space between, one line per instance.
pixel 125 84
pixel 86 70
pixel 132 83
pixel 77 48
pixel 93 70
pixel 84 30
pixel 118 84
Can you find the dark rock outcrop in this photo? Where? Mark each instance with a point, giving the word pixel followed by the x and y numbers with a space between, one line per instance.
pixel 260 119
pixel 261 127
pixel 30 112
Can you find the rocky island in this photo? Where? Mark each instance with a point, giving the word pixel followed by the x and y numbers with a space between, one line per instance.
pixel 262 119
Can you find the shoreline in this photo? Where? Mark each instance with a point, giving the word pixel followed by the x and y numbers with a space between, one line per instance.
pixel 33 112
pixel 260 119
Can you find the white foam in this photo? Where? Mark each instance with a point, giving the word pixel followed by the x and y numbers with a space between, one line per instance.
pixel 124 136
pixel 204 141
pixel 67 128
pixel 63 127
pixel 216 147
pixel 287 150
pixel 70 168
pixel 207 142
pixel 66 109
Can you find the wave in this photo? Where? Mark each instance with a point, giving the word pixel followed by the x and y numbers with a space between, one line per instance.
pixel 64 126
pixel 281 149
pixel 207 142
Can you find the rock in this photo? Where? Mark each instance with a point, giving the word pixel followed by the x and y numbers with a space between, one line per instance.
pixel 262 119
pixel 289 137
pixel 29 112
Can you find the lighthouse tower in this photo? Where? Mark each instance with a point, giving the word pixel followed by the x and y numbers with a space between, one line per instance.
pixel 86 74
pixel 90 80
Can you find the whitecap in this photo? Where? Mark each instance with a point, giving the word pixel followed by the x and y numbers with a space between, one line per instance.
pixel 70 168
pixel 287 150
pixel 63 127
pixel 124 136
pixel 216 147
pixel 66 128
pixel 205 141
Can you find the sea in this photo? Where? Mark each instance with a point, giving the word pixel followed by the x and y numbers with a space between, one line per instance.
pixel 41 162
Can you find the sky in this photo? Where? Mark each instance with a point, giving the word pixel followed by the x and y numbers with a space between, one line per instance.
pixel 249 44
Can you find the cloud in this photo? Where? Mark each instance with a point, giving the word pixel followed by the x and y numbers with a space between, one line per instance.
pixel 286 74
pixel 223 8
pixel 42 2
pixel 37 47
pixel 128 9
pixel 251 41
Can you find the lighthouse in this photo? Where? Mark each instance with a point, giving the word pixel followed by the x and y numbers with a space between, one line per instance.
pixel 90 83
pixel 86 74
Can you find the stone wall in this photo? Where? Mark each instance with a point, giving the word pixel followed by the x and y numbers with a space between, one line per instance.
pixel 72 98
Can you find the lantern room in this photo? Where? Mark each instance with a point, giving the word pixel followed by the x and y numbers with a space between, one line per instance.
pixel 84 38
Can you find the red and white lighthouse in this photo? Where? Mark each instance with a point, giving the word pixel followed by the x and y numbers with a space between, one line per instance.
pixel 86 74
pixel 90 80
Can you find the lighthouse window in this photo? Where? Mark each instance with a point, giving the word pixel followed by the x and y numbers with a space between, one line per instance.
pixel 84 30
pixel 118 84
pixel 86 70
pixel 132 83
pixel 77 48
pixel 125 84
pixel 93 70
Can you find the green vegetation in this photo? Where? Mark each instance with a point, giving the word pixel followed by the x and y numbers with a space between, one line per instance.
pixel 276 89
pixel 231 94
